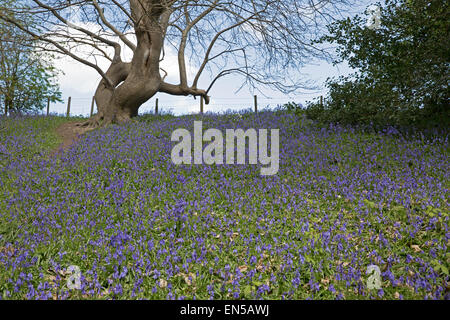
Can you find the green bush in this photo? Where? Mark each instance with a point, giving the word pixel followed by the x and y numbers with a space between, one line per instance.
pixel 403 67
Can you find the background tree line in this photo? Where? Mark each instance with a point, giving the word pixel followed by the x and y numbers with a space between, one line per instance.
pixel 27 76
pixel 402 67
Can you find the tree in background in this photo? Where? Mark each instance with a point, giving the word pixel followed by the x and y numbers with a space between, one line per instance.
pixel 403 66
pixel 27 77
pixel 264 41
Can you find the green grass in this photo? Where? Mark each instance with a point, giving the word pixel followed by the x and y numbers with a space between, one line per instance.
pixel 43 130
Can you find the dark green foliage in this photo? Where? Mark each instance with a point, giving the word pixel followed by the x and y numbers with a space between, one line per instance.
pixel 292 107
pixel 403 67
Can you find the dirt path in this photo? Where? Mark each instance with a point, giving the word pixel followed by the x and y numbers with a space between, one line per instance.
pixel 69 132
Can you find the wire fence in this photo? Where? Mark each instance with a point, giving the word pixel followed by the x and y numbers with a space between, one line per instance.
pixel 85 107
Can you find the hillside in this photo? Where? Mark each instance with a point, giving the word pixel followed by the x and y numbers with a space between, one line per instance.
pixel 138 226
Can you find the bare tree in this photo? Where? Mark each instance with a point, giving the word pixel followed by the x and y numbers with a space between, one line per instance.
pixel 265 41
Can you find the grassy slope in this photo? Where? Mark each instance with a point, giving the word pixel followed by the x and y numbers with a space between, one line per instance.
pixel 320 274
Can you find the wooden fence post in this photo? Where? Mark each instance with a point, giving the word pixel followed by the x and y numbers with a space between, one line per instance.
pixel 256 104
pixel 48 106
pixel 68 106
pixel 201 104
pixel 92 106
pixel 321 101
pixel 156 106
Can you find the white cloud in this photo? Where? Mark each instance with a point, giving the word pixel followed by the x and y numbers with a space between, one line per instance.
pixel 77 77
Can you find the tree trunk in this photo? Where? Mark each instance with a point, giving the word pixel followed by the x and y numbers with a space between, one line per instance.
pixel 120 102
pixel 129 85
pixel 9 106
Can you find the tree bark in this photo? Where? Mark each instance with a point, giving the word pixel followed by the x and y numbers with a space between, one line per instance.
pixel 129 85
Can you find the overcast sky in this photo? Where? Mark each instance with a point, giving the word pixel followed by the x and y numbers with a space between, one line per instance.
pixel 80 82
